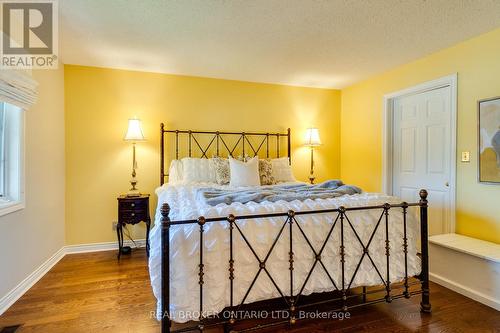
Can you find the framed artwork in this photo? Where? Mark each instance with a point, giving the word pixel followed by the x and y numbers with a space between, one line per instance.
pixel 489 140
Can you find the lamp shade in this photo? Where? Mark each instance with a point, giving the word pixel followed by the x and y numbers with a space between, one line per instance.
pixel 134 131
pixel 312 137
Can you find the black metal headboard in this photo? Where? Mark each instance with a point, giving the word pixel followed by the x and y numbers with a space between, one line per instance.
pixel 219 141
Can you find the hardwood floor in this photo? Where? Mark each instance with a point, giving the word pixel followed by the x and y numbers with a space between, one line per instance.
pixel 94 293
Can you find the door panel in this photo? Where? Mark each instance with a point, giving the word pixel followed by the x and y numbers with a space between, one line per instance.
pixel 435 106
pixel 435 149
pixel 422 152
pixel 408 140
pixel 408 112
pixel 437 212
pixel 409 194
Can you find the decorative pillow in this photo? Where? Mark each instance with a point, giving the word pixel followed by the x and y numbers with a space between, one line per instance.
pixel 266 172
pixel 175 172
pixel 282 170
pixel 244 173
pixel 197 170
pixel 220 167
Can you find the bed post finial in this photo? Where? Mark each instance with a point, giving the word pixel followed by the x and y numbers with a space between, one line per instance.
pixel 165 212
pixel 423 196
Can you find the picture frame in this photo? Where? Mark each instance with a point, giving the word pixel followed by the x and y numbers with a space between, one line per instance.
pixel 489 141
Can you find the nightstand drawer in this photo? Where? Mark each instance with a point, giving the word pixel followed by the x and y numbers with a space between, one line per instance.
pixel 133 204
pixel 133 216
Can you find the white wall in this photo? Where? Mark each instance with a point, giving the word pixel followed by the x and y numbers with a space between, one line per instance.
pixel 30 236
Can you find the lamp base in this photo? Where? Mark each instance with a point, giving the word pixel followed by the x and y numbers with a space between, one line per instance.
pixel 133 192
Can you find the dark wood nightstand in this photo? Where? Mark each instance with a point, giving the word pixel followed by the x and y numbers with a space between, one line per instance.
pixel 132 210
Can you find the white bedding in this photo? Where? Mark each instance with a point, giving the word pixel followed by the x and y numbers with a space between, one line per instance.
pixel 184 249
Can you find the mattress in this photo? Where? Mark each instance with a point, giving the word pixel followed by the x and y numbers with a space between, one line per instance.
pixel 185 245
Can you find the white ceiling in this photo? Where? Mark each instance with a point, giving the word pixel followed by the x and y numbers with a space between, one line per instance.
pixel 317 43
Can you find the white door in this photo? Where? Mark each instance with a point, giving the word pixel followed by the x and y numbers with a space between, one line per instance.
pixel 422 152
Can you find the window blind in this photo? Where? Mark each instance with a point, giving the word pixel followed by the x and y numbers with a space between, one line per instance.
pixel 18 88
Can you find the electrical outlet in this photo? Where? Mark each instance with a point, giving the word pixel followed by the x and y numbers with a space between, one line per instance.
pixel 114 225
pixel 465 156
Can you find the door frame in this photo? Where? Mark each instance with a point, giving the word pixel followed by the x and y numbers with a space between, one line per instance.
pixel 387 136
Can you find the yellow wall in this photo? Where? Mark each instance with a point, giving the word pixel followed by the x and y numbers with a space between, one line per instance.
pixel 99 102
pixel 477 62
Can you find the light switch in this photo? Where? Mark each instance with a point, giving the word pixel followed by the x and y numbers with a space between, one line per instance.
pixel 465 156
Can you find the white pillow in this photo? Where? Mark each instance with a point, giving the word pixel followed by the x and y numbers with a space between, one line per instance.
pixel 175 172
pixel 196 170
pixel 282 170
pixel 244 173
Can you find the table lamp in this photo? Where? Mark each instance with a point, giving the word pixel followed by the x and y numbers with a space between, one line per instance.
pixel 134 135
pixel 312 140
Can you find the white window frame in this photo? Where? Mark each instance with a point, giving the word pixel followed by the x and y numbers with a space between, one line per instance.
pixel 14 186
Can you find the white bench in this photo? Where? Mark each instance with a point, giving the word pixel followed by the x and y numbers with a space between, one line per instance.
pixel 466 265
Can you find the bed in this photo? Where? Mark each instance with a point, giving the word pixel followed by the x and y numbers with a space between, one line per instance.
pixel 289 256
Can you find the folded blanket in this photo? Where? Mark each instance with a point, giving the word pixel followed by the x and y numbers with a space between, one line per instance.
pixel 286 192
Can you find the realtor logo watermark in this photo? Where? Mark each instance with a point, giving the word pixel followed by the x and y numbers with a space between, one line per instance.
pixel 29 36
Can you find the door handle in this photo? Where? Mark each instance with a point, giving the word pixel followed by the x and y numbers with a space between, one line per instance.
pixel 447 184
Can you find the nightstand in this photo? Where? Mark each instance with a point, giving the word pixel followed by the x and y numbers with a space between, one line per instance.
pixel 132 210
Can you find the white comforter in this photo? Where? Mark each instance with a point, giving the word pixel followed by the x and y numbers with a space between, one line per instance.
pixel 184 249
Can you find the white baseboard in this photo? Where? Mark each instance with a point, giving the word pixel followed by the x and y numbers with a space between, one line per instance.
pixel 97 247
pixel 19 290
pixel 461 289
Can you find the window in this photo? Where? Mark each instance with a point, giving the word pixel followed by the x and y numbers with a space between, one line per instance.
pixel 11 158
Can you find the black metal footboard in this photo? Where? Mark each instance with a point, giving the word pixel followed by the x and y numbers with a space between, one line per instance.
pixel 291 300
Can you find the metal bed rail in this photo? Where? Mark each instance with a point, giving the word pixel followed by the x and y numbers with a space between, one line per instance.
pixel 292 302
